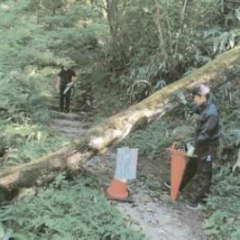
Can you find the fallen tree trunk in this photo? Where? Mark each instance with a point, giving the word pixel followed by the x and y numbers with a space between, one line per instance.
pixel 75 154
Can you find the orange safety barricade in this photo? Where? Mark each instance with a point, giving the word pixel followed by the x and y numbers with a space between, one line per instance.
pixel 178 166
pixel 118 190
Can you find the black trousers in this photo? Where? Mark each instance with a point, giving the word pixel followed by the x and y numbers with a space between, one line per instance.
pixel 65 98
pixel 200 170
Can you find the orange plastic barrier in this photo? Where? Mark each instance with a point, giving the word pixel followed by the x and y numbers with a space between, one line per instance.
pixel 118 190
pixel 178 166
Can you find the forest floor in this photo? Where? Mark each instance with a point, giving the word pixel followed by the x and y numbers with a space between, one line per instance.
pixel 151 211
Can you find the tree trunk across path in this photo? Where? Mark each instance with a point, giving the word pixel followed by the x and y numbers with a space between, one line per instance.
pixel 73 155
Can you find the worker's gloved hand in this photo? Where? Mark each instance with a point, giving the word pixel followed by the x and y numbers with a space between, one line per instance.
pixel 181 98
pixel 190 149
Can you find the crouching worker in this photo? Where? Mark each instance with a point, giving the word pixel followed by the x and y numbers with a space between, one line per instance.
pixel 206 141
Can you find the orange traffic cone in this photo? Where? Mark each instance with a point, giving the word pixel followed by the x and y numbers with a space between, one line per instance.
pixel 117 190
pixel 178 165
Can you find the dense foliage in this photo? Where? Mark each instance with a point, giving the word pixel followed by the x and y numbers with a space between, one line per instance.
pixel 136 46
pixel 65 210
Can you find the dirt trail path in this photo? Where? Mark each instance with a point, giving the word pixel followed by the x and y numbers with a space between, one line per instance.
pixel 155 218
pixel 71 125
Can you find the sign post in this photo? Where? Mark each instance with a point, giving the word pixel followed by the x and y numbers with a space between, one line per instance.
pixel 126 169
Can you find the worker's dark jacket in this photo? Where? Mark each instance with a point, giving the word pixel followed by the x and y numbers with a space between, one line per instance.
pixel 207 130
pixel 206 144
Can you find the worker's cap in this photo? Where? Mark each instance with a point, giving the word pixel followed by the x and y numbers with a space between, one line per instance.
pixel 201 90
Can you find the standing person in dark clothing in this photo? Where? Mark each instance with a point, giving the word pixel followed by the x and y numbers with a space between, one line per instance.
pixel 65 82
pixel 206 141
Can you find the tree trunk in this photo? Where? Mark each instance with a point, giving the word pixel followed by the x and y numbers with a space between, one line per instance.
pixel 75 154
pixel 181 27
pixel 161 45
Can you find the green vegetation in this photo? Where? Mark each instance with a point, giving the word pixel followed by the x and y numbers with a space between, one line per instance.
pixel 66 210
pixel 122 52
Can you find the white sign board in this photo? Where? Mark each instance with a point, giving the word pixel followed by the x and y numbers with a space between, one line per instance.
pixel 126 164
